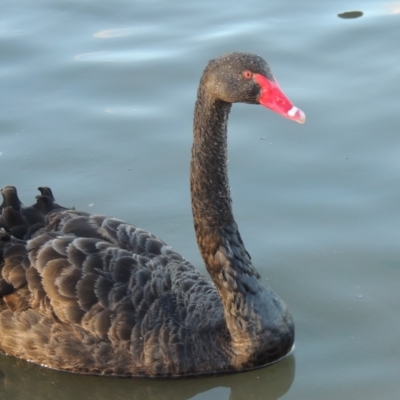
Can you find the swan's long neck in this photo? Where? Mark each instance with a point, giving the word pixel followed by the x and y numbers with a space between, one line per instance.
pixel 211 201
pixel 217 234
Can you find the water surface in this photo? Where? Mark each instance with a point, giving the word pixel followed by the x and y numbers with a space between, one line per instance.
pixel 97 101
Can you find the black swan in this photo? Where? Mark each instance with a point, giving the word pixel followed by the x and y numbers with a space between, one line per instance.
pixel 90 294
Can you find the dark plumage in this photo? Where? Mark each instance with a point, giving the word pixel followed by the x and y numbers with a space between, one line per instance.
pixel 90 294
pixel 22 221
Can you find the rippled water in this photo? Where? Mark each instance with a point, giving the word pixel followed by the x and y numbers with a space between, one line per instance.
pixel 96 101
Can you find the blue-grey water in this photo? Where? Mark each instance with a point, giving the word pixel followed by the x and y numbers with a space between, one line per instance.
pixel 96 101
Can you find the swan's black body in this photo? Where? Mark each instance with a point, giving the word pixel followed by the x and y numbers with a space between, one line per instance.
pixel 90 294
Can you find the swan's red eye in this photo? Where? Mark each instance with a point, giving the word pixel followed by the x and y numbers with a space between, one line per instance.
pixel 247 74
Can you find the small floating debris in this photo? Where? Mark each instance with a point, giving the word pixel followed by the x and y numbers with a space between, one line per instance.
pixel 351 14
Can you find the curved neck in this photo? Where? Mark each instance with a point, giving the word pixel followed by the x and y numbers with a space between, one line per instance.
pixel 218 237
pixel 211 202
pixel 214 223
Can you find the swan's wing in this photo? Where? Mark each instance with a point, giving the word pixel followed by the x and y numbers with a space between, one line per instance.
pixel 72 303
pixel 87 289
pixel 115 231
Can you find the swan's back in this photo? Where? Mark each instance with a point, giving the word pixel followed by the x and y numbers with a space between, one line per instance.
pixel 92 294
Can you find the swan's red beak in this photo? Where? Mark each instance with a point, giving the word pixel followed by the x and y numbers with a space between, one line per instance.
pixel 273 98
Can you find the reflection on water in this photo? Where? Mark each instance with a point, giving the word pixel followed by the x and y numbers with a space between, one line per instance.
pixel 18 378
pixel 120 32
pixel 393 7
pixel 141 55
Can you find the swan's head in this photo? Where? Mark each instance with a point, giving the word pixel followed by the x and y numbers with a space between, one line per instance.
pixel 247 78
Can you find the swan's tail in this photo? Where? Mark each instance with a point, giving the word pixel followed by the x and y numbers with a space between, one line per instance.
pixel 22 222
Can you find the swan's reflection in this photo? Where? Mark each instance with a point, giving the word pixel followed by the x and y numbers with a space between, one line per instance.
pixel 20 380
